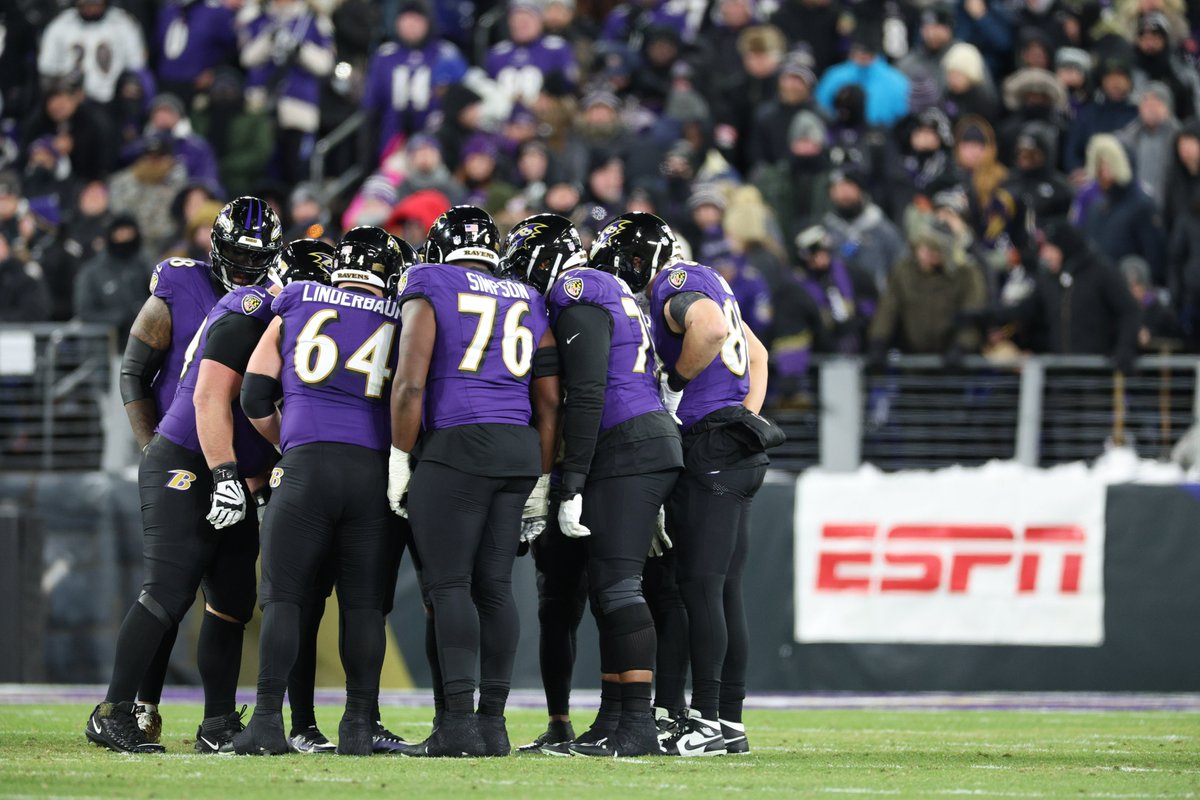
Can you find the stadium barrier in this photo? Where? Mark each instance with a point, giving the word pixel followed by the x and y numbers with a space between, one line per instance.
pixel 1135 579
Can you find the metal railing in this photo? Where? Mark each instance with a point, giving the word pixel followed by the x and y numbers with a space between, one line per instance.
pixel 1038 411
pixel 56 388
pixel 332 186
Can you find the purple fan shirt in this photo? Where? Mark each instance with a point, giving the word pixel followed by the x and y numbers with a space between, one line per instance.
pixel 403 84
pixel 254 453
pixel 669 13
pixel 193 37
pixel 190 291
pixel 487 332
pixel 521 69
pixel 725 381
pixel 338 347
pixel 298 83
pixel 632 389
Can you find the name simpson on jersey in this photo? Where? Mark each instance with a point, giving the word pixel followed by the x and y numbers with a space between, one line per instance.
pixel 481 283
pixel 316 293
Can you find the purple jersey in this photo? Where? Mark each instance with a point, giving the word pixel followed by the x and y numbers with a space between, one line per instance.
pixel 193 37
pixel 190 291
pixel 487 332
pixel 403 84
pixel 632 389
pixel 298 83
pixel 338 349
pixel 724 382
pixel 179 425
pixel 619 24
pixel 521 69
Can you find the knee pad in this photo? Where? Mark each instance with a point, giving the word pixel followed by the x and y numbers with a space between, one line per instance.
pixel 621 593
pixel 168 618
pixel 631 642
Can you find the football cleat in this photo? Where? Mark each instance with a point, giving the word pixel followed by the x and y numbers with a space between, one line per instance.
pixel 734 733
pixel 356 736
pixel 596 733
pixel 557 732
pixel 699 737
pixel 636 736
pixel 494 733
pixel 669 723
pixel 149 720
pixel 456 735
pixel 114 726
pixel 262 737
pixel 216 732
pixel 387 742
pixel 310 740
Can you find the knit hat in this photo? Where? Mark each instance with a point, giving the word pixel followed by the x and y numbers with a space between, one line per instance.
pixel 848 175
pixel 965 59
pixel 923 91
pixel 1065 236
pixel 1159 90
pixel 1154 22
pixel 167 100
pixel 601 97
pixel 480 144
pixel 807 126
pixel 705 194
pixel 954 199
pixel 1114 64
pixel 1074 58
pixel 687 106
pixel 800 64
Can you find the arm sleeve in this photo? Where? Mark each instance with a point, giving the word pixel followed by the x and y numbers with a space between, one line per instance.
pixel 232 339
pixel 584 335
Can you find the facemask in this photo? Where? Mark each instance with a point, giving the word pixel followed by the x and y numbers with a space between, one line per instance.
pixel 125 250
pixel 849 211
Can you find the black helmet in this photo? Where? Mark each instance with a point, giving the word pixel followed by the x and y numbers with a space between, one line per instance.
pixel 303 260
pixel 408 258
pixel 539 248
pixel 369 255
pixel 464 233
pixel 246 239
pixel 634 247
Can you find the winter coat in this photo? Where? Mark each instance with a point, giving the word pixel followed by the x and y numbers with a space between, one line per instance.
pixel 23 293
pixel 885 86
pixel 919 310
pixel 871 242
pixel 1122 222
pixel 1153 153
pixel 1100 116
pixel 799 197
pixel 110 290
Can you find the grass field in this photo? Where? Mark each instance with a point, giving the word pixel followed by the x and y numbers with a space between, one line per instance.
pixel 796 753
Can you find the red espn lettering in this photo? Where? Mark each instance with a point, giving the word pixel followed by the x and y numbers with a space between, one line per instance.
pixel 852 570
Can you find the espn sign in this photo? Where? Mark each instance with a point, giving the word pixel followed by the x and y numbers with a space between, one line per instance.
pixel 999 555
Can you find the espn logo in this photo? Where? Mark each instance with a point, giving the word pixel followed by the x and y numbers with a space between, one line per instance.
pixel 948 558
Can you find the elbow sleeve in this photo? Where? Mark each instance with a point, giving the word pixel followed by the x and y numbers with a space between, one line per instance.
pixel 138 368
pixel 260 393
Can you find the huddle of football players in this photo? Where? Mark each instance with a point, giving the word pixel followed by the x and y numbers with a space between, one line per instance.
pixel 486 397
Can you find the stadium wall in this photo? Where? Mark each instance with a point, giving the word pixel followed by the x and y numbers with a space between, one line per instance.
pixel 1146 591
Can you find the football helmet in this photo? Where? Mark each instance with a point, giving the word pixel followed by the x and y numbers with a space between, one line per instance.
pixel 635 246
pixel 540 248
pixel 303 260
pixel 408 258
pixel 464 233
pixel 369 255
pixel 246 239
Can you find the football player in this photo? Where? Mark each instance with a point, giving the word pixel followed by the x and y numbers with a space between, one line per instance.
pixel 328 355
pixel 720 369
pixel 622 455
pixel 185 506
pixel 477 366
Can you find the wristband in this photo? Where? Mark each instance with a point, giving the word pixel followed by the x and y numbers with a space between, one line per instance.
pixel 676 382
pixel 225 472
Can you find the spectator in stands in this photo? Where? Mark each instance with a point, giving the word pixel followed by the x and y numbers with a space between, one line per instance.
pixel 528 59
pixel 929 291
pixel 813 26
pixel 478 172
pixel 48 172
pixel 10 204
pixel 18 62
pixel 988 25
pixel 308 213
pixel 99 41
pixel 844 296
pixel 853 141
pixel 600 129
pixel 1080 304
pixel 186 203
pixel 110 288
pixel 242 139
pixel 770 142
pixel 287 48
pixel 1183 267
pixel 936 37
pixel 748 285
pixel 604 191
pixel 529 177
pixel 730 18
pixel 969 90
pixel 407 78
pixel 648 78
pixel 191 40
pixel 706 213
pixel 40 242
pixel 997 216
pixel 79 127
pixel 145 190
pixel 195 240
pixel 1109 111
pixel 885 87
pixel 1073 68
pixel 1035 49
pixel 560 19
pixel 462 112
pixel 920 164
pixel 741 93
pixel 1150 139
pixel 131 107
pixel 628 22
pixel 1157 322
pixel 1113 210
pixel 427 171
pixel 88 222
pixel 1157 59
pixel 1034 180
pixel 859 231
pixel 194 153
pixel 1031 96
pixel 751 227
pixel 796 188
pixel 1183 178
pixel 24 296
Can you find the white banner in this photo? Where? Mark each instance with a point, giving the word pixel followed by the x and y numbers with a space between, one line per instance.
pixel 996 555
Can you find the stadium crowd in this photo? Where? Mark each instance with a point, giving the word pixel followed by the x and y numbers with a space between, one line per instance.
pixel 946 177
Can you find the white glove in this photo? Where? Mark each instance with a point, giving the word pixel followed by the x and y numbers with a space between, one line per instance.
pixel 537 508
pixel 399 476
pixel 569 512
pixel 661 543
pixel 670 398
pixel 228 497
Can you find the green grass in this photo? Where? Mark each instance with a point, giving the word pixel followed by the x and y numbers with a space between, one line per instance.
pixel 796 753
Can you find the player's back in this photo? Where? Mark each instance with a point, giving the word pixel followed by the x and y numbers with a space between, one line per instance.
pixel 338 348
pixel 631 388
pixel 190 291
pixel 487 331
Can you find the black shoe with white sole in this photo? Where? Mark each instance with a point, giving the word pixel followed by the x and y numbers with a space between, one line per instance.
pixel 262 737
pixel 599 733
pixel 557 732
pixel 700 737
pixel 217 732
pixel 113 725
pixel 387 742
pixel 310 741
